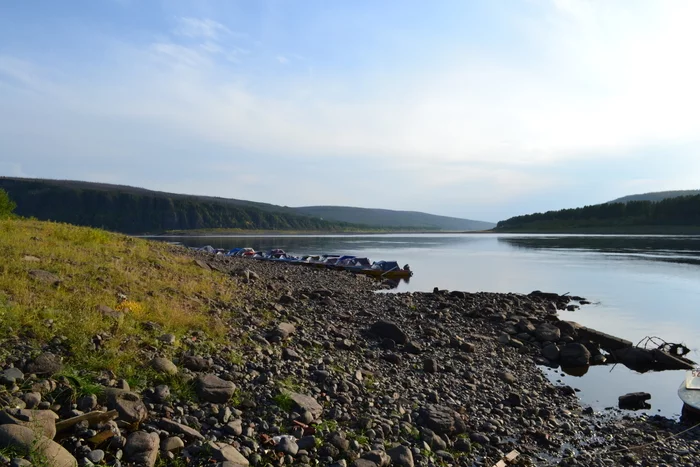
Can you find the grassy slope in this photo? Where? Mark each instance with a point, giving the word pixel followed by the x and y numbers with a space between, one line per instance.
pixel 95 266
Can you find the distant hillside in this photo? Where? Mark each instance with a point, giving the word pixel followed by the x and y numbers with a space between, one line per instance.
pixel 670 215
pixel 137 210
pixel 656 196
pixel 393 219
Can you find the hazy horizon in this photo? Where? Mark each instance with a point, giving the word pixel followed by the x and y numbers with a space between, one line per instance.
pixel 481 110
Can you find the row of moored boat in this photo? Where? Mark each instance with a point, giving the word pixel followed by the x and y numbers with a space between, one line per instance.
pixel 355 264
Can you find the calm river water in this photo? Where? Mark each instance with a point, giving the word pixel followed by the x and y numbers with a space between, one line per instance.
pixel 640 286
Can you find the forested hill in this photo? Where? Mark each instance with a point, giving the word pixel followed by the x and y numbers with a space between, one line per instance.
pixel 671 215
pixel 391 219
pixel 656 196
pixel 136 210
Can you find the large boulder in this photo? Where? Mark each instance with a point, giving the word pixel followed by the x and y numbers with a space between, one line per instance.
pixel 164 365
pixel 129 405
pixel 401 456
pixel 551 352
pixel 51 453
pixel 142 448
pixel 45 364
pixel 546 332
pixel 226 453
pixel 43 422
pixel 442 420
pixel 388 330
pixel 211 388
pixel 304 402
pixel 574 354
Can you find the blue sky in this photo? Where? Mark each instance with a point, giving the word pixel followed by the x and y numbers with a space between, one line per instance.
pixel 479 109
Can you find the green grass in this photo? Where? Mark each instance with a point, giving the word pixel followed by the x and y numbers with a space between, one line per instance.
pixel 161 284
pixel 284 402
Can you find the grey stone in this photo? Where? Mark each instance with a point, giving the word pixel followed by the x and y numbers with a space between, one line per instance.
pixel 174 427
pixel 142 448
pixel 574 354
pixel 211 388
pixel 234 427
pixel 225 452
pixel 479 438
pixel 172 443
pixel 161 393
pixel 11 376
pixel 87 403
pixel 45 276
pixel 441 419
pixel 377 457
pixel 43 422
pixel 307 442
pixel 24 438
pixel 304 402
pixel 551 352
pixel 195 363
pixel 430 365
pixel 45 364
pixel 401 456
pixel 284 330
pixel 364 463
pixel 129 405
pixel 291 355
pixel 32 399
pixel 389 330
pixel 546 332
pixel 164 365
pixel 96 456
pixel 287 445
pixel 507 377
pixel 168 339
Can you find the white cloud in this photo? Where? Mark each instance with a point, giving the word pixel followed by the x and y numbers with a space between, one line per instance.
pixel 606 78
pixel 201 28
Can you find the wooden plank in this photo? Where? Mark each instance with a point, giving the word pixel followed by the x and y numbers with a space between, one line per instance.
pixel 92 418
pixel 510 457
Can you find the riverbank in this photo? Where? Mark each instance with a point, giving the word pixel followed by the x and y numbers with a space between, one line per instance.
pixel 412 378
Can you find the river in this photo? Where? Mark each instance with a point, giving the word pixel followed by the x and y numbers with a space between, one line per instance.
pixel 639 286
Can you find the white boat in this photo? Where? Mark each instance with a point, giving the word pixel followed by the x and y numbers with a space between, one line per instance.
pixel 689 392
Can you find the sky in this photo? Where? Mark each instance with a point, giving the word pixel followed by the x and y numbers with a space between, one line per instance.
pixel 482 109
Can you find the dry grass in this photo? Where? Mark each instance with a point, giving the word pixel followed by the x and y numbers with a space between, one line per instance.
pixel 95 267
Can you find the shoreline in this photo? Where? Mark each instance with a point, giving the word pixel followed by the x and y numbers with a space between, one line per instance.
pixel 271 363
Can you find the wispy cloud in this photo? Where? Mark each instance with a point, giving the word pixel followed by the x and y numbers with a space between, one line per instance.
pixel 201 28
pixel 598 81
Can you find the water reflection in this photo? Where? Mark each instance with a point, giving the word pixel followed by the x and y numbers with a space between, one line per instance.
pixel 679 249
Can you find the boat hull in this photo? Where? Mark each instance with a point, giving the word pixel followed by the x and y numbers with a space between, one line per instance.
pixel 690 398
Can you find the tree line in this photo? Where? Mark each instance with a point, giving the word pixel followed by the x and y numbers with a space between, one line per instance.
pixel 682 211
pixel 148 212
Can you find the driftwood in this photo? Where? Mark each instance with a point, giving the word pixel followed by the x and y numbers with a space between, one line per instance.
pixel 507 459
pixel 92 418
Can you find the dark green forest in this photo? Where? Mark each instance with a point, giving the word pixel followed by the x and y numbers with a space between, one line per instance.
pixel 680 214
pixel 135 211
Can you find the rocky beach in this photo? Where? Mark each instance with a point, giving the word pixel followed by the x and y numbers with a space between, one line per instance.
pixel 322 367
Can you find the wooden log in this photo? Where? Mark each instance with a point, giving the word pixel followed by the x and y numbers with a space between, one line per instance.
pixel 92 418
pixel 507 459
